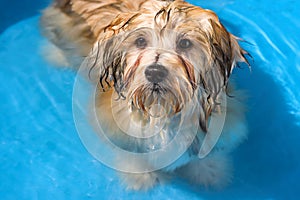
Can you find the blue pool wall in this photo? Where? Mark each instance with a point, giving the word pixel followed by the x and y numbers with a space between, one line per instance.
pixel 12 11
pixel 42 157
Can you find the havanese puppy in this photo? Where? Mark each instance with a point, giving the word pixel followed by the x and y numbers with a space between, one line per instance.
pixel 162 71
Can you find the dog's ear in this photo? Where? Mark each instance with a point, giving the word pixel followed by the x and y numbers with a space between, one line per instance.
pixel 106 60
pixel 226 51
pixel 105 63
pixel 224 54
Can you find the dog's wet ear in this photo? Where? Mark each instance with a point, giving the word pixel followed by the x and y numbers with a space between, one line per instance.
pixel 225 50
pixel 224 54
pixel 106 52
pixel 104 63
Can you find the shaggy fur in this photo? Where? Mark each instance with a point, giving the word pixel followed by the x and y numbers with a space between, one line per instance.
pixel 120 39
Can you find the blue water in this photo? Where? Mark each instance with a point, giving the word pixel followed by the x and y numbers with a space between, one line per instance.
pixel 42 157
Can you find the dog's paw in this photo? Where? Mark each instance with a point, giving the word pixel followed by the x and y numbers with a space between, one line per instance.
pixel 140 181
pixel 213 171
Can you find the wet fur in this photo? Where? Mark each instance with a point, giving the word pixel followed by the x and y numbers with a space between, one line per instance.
pixel 82 28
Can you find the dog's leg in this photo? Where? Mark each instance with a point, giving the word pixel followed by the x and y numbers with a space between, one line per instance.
pixel 211 171
pixel 140 181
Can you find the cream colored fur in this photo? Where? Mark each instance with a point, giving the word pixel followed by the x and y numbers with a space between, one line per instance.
pixel 197 76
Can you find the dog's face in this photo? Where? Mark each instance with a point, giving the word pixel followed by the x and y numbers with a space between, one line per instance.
pixel 169 56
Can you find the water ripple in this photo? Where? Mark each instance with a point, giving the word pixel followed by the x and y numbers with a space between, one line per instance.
pixel 256 27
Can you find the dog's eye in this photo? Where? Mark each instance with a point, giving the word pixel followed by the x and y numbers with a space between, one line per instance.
pixel 184 44
pixel 141 43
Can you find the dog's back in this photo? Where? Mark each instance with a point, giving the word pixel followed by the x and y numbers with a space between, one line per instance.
pixel 74 25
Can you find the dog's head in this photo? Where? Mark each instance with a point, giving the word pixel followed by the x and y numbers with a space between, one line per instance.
pixel 168 54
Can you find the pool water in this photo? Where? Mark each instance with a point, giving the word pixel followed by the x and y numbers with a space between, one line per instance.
pixel 42 157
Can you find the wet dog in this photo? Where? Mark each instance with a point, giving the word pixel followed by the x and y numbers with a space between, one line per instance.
pixel 162 69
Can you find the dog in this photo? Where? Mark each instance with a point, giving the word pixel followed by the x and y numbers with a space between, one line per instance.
pixel 162 69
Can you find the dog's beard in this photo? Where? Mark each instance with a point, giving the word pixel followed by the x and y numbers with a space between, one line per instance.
pixel 171 98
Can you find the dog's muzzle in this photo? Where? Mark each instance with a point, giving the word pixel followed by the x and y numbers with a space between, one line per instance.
pixel 156 73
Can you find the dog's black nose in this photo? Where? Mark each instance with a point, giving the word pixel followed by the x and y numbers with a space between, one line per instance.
pixel 156 73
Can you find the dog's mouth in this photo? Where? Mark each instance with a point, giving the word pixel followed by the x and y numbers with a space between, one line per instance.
pixel 150 95
pixel 157 89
